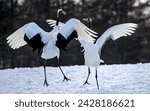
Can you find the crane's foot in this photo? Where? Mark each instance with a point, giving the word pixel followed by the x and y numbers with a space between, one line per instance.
pixel 86 82
pixel 66 79
pixel 45 83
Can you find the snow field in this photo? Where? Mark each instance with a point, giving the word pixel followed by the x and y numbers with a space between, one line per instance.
pixel 113 79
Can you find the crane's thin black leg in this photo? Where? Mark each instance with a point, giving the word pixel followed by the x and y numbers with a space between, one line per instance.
pixel 96 79
pixel 65 78
pixel 86 82
pixel 45 81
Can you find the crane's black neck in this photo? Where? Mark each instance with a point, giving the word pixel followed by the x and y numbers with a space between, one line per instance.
pixel 89 22
pixel 58 17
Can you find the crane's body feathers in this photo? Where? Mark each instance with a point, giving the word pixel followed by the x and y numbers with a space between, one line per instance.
pixel 91 55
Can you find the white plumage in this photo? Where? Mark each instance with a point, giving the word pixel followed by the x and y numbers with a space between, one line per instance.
pixel 92 52
pixel 115 32
pixel 50 42
pixel 52 23
pixel 50 51
pixel 84 33
pixel 16 40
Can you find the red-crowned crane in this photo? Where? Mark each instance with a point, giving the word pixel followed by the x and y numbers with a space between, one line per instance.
pixel 50 42
pixel 92 52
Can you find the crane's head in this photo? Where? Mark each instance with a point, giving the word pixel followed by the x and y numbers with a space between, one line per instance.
pixel 59 11
pixel 89 21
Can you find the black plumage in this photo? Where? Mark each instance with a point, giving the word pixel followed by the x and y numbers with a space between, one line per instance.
pixel 35 42
pixel 62 42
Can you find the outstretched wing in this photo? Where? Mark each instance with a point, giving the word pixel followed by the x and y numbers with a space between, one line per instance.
pixel 52 23
pixel 116 32
pixel 83 32
pixel 16 39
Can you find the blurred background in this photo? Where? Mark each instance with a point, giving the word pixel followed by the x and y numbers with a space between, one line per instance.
pixel 105 13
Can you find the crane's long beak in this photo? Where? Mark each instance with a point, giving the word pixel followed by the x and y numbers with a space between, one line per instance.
pixel 85 19
pixel 64 12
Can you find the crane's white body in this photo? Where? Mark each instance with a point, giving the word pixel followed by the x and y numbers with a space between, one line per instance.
pixel 92 52
pixel 50 50
pixel 91 55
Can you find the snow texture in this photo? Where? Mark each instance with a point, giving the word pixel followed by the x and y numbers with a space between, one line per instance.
pixel 113 79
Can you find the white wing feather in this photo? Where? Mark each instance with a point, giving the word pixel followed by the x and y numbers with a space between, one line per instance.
pixel 83 32
pixel 15 40
pixel 116 32
pixel 52 23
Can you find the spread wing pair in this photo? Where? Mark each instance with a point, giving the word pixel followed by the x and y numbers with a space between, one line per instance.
pixel 16 40
pixel 114 32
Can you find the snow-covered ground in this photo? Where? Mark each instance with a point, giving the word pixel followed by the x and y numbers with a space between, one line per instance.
pixel 127 79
